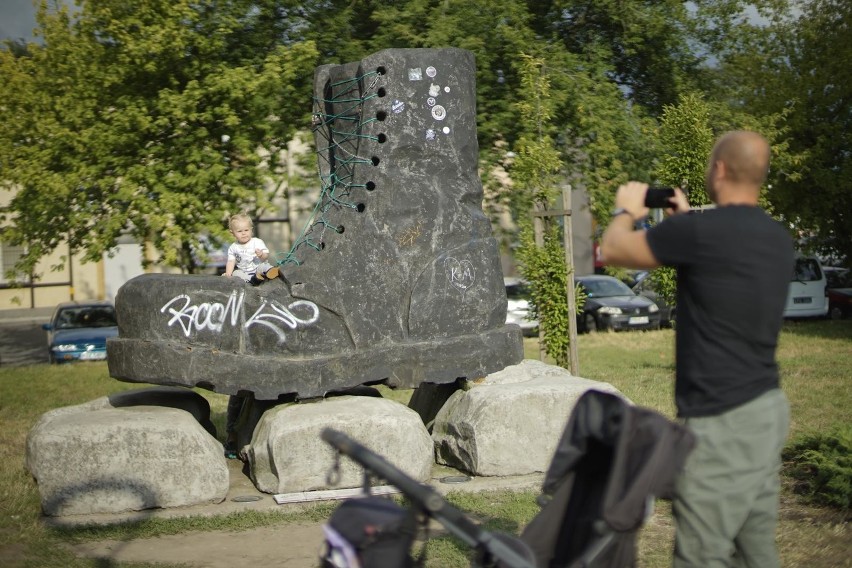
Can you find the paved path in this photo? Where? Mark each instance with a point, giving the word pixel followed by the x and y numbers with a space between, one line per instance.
pixel 292 545
pixel 22 342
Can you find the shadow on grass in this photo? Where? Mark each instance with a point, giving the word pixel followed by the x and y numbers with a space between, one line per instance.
pixel 130 529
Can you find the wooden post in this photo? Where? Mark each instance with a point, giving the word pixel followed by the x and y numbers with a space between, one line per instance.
pixel 538 232
pixel 568 237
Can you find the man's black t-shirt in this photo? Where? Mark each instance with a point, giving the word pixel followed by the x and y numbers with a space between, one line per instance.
pixel 733 271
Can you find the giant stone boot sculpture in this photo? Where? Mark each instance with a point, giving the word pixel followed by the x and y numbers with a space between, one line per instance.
pixel 397 279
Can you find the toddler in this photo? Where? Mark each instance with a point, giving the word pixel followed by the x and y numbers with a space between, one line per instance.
pixel 247 256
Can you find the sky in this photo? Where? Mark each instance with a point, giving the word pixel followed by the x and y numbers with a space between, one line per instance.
pixel 17 18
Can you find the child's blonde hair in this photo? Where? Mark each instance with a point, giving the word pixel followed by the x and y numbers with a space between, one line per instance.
pixel 238 218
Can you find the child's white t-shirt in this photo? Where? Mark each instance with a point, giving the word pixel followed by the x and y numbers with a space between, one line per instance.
pixel 245 255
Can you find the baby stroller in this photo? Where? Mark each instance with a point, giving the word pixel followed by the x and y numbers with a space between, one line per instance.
pixel 612 460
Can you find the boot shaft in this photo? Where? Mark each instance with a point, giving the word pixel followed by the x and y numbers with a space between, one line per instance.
pixel 400 208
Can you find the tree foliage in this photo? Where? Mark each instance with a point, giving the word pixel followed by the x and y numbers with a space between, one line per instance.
pixel 156 118
pixel 146 119
pixel 685 141
pixel 545 270
pixel 814 87
pixel 535 171
pixel 789 78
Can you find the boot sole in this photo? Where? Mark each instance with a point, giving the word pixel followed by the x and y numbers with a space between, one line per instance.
pixel 442 360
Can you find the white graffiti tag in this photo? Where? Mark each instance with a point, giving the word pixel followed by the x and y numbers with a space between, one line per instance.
pixel 284 316
pixel 210 316
pixel 213 316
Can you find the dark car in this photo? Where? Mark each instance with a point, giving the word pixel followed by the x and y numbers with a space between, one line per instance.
pixel 644 286
pixel 78 331
pixel 611 304
pixel 838 288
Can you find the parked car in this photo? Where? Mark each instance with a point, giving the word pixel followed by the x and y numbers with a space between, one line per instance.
pixel 611 304
pixel 78 331
pixel 644 286
pixel 518 306
pixel 839 291
pixel 806 296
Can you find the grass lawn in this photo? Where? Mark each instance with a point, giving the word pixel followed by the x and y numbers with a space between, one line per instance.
pixel 816 367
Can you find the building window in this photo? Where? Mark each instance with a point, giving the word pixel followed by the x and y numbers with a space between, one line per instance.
pixel 9 256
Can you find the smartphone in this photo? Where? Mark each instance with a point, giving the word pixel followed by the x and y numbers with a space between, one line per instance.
pixel 658 197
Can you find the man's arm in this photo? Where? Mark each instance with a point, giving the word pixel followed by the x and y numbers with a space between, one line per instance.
pixel 623 246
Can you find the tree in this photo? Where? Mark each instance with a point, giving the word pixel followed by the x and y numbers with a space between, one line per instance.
pixel 645 44
pixel 814 85
pixel 535 168
pixel 146 119
pixel 685 141
pixel 789 75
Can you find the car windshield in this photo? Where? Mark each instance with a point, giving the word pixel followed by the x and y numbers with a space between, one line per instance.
pixel 806 270
pixel 606 287
pixel 86 316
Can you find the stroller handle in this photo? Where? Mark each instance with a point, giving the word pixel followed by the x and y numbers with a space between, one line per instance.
pixel 431 502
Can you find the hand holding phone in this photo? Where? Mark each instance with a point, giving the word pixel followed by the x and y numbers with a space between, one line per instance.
pixel 658 197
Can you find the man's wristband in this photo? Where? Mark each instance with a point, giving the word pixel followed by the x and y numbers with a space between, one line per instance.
pixel 622 211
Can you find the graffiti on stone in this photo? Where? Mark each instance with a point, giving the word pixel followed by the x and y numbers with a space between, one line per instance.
pixel 460 273
pixel 215 316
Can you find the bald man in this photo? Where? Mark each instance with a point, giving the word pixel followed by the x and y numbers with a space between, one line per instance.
pixel 733 269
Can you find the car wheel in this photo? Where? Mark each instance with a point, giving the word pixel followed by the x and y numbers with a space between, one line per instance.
pixel 590 324
pixel 835 313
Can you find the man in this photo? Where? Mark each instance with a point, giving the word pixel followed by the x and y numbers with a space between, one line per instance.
pixel 733 269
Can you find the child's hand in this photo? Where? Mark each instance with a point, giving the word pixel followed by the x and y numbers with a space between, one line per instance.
pixel 258 253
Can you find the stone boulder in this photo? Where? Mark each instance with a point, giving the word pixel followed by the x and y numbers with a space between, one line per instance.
pixel 286 453
pixel 93 458
pixel 510 422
